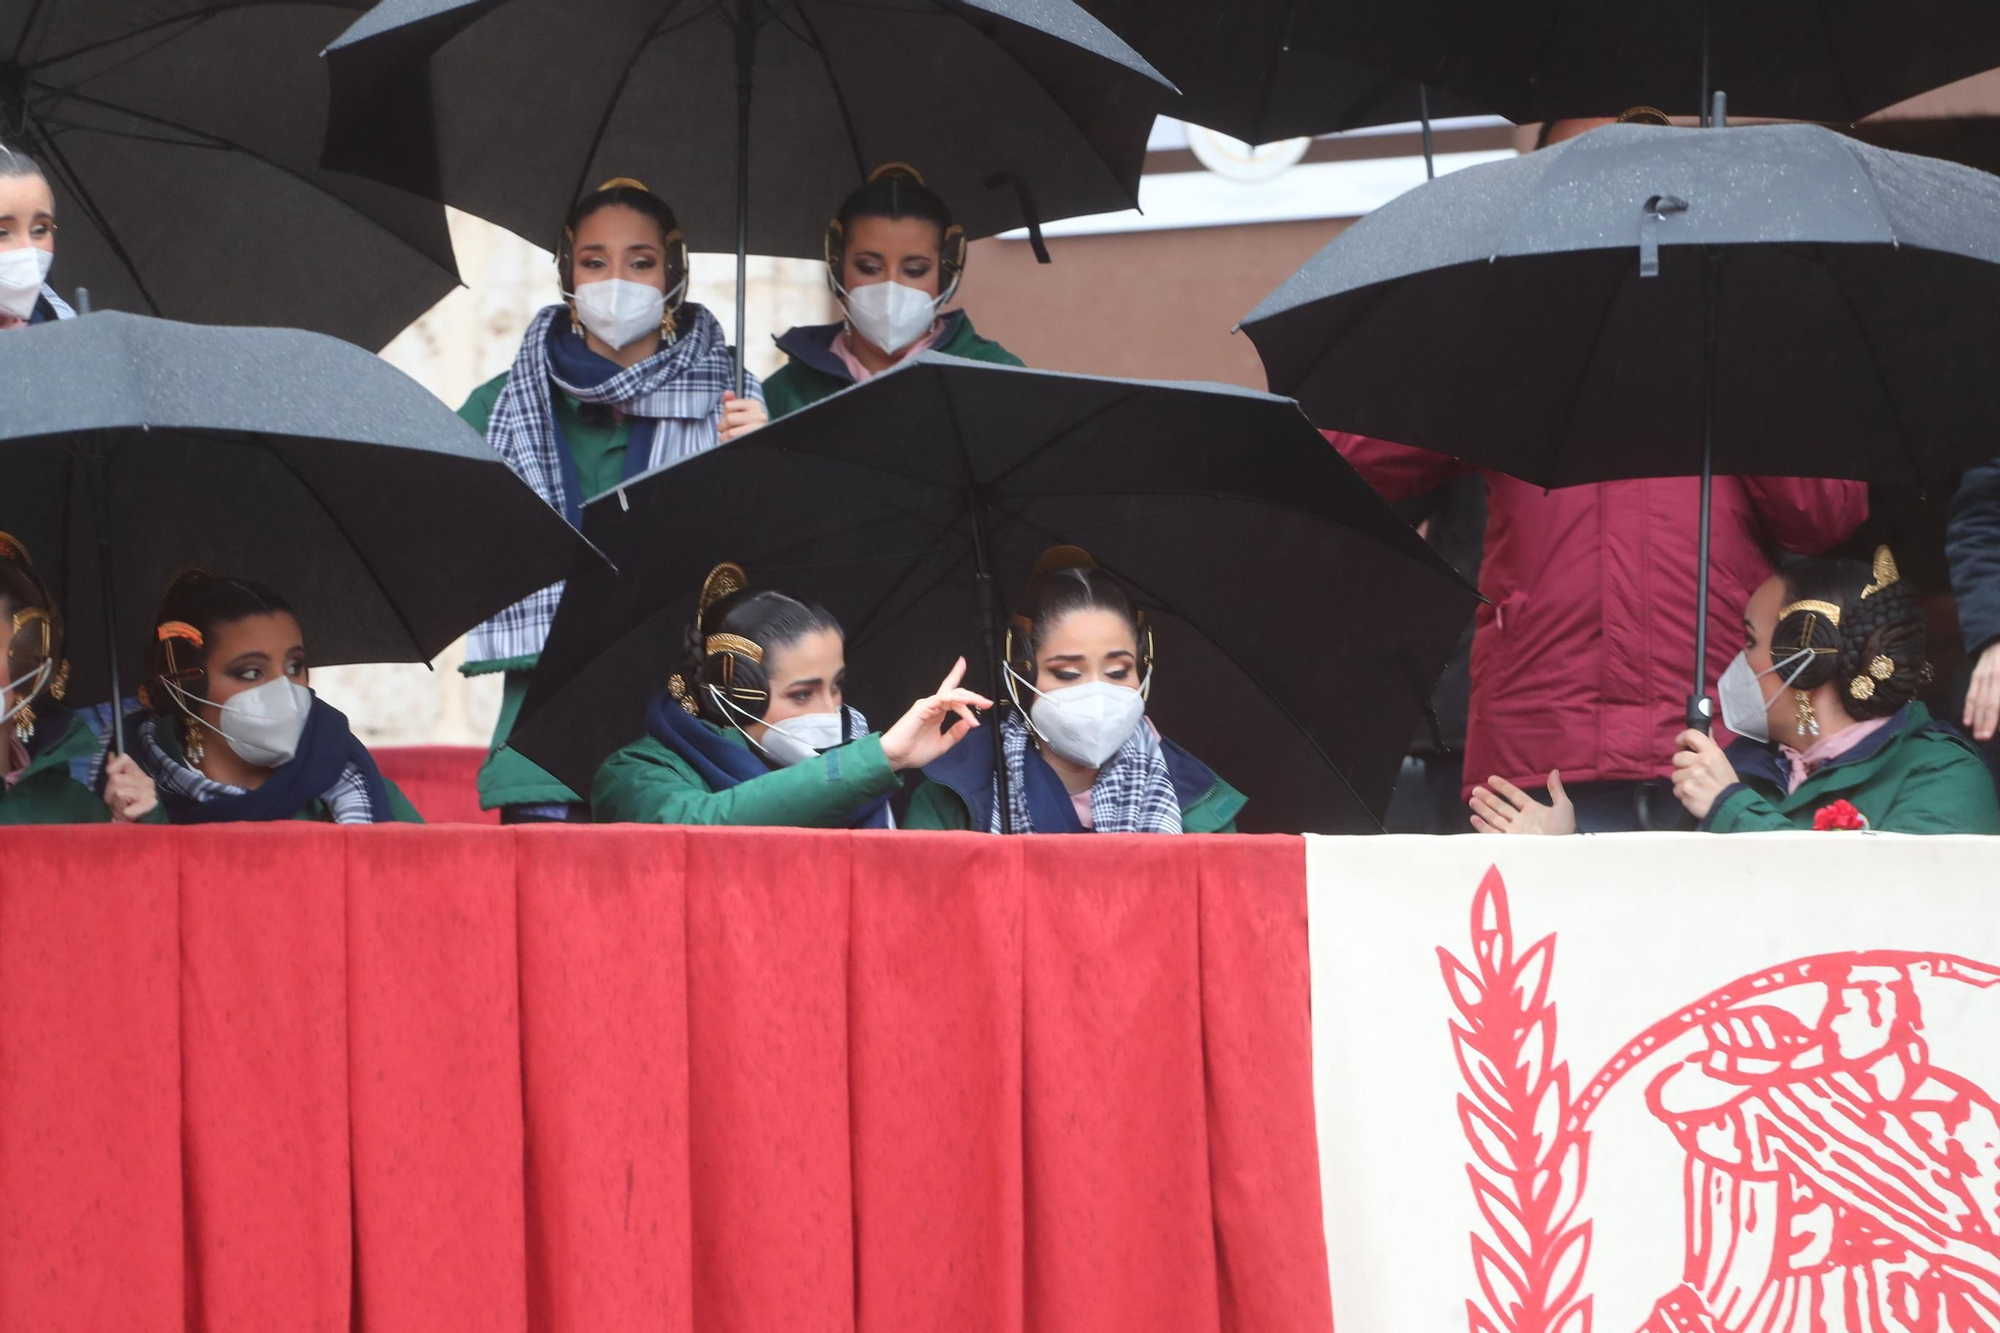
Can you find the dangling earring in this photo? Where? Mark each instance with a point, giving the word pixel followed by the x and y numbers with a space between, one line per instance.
pixel 1807 720
pixel 669 327
pixel 24 724
pixel 575 324
pixel 191 743
pixel 60 686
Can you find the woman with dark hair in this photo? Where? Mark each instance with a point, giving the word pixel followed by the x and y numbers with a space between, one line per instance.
pixel 233 733
pixel 27 244
pixel 894 258
pixel 1082 757
pixel 1840 742
pixel 621 377
pixel 51 753
pixel 754 730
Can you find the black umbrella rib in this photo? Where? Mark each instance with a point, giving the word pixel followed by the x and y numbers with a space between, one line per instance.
pixel 409 631
pixel 617 92
pixel 200 138
pixel 1146 592
pixel 27 24
pixel 60 160
pixel 188 18
pixel 1059 436
pixel 818 45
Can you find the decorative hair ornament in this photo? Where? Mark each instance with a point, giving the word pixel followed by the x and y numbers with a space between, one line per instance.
pixel 952 247
pixel 733 643
pixel 677 687
pixel 178 629
pixel 1881 666
pixel 725 580
pixel 1885 573
pixel 34 615
pixel 1643 115
pixel 1861 689
pixel 1827 609
pixel 11 549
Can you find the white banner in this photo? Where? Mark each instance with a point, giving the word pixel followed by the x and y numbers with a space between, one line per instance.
pixel 1677 1082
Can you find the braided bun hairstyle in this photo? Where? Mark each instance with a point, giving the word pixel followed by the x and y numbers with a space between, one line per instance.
pixel 22 589
pixel 204 602
pixel 1875 654
pixel 771 620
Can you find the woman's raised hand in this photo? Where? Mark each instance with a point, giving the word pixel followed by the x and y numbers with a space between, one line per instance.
pixel 916 739
pixel 740 416
pixel 1505 808
pixel 128 792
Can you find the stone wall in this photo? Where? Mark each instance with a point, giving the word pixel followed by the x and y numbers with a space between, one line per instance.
pixel 465 340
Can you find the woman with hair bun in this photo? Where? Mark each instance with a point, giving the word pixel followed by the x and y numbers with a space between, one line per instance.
pixel 233 732
pixel 1823 699
pixel 1082 757
pixel 894 258
pixel 622 376
pixel 754 729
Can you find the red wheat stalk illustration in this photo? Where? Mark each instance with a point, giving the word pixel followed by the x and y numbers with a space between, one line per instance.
pixel 1528 1161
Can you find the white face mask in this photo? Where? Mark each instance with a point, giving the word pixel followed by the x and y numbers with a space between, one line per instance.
pixel 890 315
pixel 263 724
pixel 1086 724
pixel 22 273
pixel 794 740
pixel 22 689
pixel 1742 698
pixel 620 312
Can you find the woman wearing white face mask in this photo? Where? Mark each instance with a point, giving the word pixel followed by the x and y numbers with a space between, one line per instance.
pixel 893 259
pixel 754 729
pixel 1831 735
pixel 621 377
pixel 1081 755
pixel 27 244
pixel 232 731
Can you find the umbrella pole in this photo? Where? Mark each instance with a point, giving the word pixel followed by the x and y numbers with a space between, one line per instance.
pixel 989 633
pixel 97 480
pixel 1424 117
pixel 746 60
pixel 1700 712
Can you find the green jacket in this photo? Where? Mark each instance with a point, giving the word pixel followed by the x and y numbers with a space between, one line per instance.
pixel 53 788
pixel 598 442
pixel 963 780
pixel 647 783
pixel 814 372
pixel 1913 776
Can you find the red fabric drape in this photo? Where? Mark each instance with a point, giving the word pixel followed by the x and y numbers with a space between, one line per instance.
pixel 604 1079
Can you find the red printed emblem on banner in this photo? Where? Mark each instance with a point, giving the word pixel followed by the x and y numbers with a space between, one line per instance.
pixel 1836 1178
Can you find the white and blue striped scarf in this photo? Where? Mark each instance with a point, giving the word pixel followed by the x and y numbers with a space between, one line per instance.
pixel 1133 793
pixel 679 388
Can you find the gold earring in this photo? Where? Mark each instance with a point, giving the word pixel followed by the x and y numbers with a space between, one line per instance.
pixel 575 324
pixel 669 327
pixel 1807 720
pixel 24 724
pixel 192 744
pixel 60 686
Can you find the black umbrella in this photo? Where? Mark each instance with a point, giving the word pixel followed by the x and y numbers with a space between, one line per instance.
pixel 1834 60
pixel 1300 623
pixel 1240 70
pixel 134 447
pixel 1643 302
pixel 1014 110
pixel 182 140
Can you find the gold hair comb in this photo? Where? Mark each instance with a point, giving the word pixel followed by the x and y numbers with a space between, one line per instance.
pixel 1885 573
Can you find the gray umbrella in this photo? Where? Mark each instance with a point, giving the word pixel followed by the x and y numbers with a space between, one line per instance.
pixel 134 447
pixel 182 141
pixel 753 118
pixel 1641 301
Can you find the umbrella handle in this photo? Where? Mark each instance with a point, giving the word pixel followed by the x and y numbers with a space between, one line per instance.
pixel 97 471
pixel 746 62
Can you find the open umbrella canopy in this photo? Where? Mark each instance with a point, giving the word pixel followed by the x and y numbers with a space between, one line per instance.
pixel 182 141
pixel 1834 60
pixel 1299 623
pixel 1505 314
pixel 509 109
pixel 289 458
pixel 1240 71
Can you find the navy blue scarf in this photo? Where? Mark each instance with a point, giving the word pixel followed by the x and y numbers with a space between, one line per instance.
pixel 572 360
pixel 721 763
pixel 328 756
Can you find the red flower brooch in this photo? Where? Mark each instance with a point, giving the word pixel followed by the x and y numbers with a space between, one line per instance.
pixel 1838 816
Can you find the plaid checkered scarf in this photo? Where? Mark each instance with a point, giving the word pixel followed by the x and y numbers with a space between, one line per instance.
pixel 1133 793
pixel 346 800
pixel 678 390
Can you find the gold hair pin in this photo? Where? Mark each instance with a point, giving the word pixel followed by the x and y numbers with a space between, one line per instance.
pixel 1886 573
pixel 733 643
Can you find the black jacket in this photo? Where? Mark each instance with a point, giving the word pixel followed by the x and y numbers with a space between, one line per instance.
pixel 1972 543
